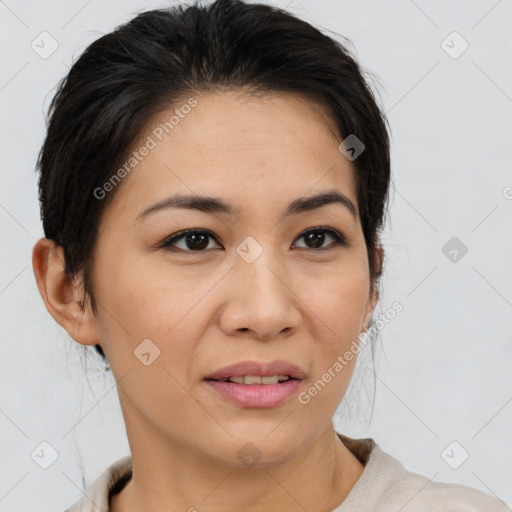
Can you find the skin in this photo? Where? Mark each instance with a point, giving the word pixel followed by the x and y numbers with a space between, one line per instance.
pixel 206 310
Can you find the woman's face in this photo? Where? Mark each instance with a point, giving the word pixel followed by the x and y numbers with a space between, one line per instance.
pixel 257 284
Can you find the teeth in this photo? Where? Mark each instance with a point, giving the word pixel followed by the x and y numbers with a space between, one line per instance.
pixel 256 379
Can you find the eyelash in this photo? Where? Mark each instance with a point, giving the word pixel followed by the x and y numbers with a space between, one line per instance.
pixel 169 242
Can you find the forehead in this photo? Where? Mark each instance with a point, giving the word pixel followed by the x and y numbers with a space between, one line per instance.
pixel 257 150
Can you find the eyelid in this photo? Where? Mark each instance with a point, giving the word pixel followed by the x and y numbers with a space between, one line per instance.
pixel 166 243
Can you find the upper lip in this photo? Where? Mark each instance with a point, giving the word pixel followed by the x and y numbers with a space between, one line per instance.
pixel 278 367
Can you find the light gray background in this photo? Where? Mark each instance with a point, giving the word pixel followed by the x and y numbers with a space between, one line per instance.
pixel 443 364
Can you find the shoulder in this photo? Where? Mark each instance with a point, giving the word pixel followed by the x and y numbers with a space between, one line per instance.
pixel 419 494
pixel 97 494
pixel 412 492
pixel 387 486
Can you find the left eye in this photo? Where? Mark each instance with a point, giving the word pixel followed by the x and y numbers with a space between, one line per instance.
pixel 317 236
pixel 196 240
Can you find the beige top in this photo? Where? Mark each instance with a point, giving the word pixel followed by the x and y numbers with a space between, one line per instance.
pixel 384 486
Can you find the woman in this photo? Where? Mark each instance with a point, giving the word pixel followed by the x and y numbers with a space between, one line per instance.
pixel 212 187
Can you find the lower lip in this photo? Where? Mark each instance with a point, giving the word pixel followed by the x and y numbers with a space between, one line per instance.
pixel 256 395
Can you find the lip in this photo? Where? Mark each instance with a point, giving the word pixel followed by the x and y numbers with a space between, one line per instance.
pixel 256 395
pixel 277 367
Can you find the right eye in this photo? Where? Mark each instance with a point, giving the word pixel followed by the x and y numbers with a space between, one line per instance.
pixel 192 240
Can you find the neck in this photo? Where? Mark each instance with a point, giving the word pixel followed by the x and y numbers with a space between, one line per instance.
pixel 318 479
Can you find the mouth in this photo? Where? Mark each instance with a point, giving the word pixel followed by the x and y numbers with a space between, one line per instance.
pixel 253 385
pixel 252 380
pixel 253 372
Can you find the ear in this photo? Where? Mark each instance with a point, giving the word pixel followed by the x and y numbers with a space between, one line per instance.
pixel 374 298
pixel 60 294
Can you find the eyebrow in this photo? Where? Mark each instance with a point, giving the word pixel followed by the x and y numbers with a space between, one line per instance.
pixel 216 205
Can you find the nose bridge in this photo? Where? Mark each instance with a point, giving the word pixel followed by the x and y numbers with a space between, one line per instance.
pixel 260 267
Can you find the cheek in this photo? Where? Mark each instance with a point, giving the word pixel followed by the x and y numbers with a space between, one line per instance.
pixel 339 301
pixel 339 308
pixel 139 301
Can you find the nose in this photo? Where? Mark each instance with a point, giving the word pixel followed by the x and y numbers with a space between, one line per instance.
pixel 261 301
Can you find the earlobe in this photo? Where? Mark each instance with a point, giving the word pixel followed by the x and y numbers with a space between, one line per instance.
pixel 60 294
pixel 379 253
pixel 369 310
